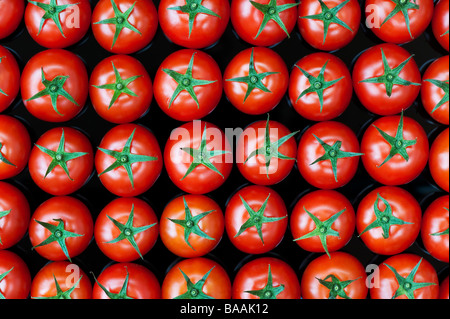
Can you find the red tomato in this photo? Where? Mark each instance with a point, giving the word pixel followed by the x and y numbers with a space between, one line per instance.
pixel 124 26
pixel 256 219
pixel 188 85
pixel 54 85
pixel 9 75
pixel 57 23
pixel 256 80
pixel 266 278
pixel 322 221
pixel 198 157
pixel 196 278
pixel 15 278
pixel 14 215
pixel 120 89
pixel 194 24
pixel 439 160
pixel 405 276
pixel 11 14
pixel 330 24
pixel 128 160
pixel 386 79
pixel 61 161
pixel 15 147
pixel 440 24
pixel 328 155
pixel 192 225
pixel 443 289
pixel 126 281
pixel 388 220
pixel 341 276
pixel 320 87
pixel 126 229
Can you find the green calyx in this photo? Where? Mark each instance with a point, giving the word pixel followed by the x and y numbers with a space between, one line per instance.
pixel 2 276
pixel 336 287
pixel 1 91
pixel 269 291
pixel 402 6
pixel 444 86
pixel 60 294
pixel 122 294
pixel 195 291
pixel 3 158
pixel 3 214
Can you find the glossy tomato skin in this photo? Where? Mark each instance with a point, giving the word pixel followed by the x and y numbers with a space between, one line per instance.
pixel 119 209
pixel 16 284
pixel 143 17
pixel 439 160
pixel 55 63
pixel 206 30
pixel 336 98
pixel 258 102
pixel 75 22
pixel 343 266
pixel 9 77
pixel 11 16
pixel 443 289
pixel 440 24
pixel 127 108
pixel 173 235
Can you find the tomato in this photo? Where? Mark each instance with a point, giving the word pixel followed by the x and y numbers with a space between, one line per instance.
pixel 14 215
pixel 434 231
pixel 57 24
pixel 320 87
pixel 435 90
pixel 11 14
pixel 255 80
pixel 443 289
pixel 263 22
pixel 439 160
pixel 386 79
pixel 124 26
pixel 440 24
pixel 340 276
pixel 126 229
pixel 388 220
pixel 54 85
pixel 9 76
pixel 120 89
pixel 256 219
pixel 196 278
pixel 128 160
pixel 322 221
pixel 405 276
pixel 192 225
pixel 266 152
pixel 328 155
pixel 395 150
pixel 194 24
pixel 61 280
pixel 188 85
pixel 126 281
pixel 61 161
pixel 15 277
pixel 198 157
pixel 15 146
pixel 330 24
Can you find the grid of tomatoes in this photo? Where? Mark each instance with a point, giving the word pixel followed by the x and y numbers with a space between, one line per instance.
pixel 348 168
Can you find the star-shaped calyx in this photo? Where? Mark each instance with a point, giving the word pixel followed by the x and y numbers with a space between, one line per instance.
pixel 122 294
pixel 195 291
pixel 403 6
pixel 269 291
pixel 1 91
pixel 3 276
pixel 336 286
pixel 3 214
pixel 60 294
pixel 3 158
pixel 444 86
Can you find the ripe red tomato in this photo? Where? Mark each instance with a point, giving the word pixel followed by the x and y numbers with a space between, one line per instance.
pixel 440 24
pixel 126 281
pixel 196 278
pixel 192 225
pixel 57 24
pixel 439 160
pixel 61 161
pixel 320 87
pixel 388 220
pixel 341 276
pixel 266 278
pixel 120 89
pixel 9 76
pixel 128 160
pixel 15 147
pixel 124 26
pixel 405 276
pixel 386 79
pixel 11 14
pixel 443 289
pixel 256 219
pixel 126 229
pixel 322 221
pixel 198 157
pixel 395 150
pixel 263 22
pixel 330 24
pixel 14 215
pixel 15 277
pixel 256 80
pixel 328 155
pixel 54 85
pixel 192 23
